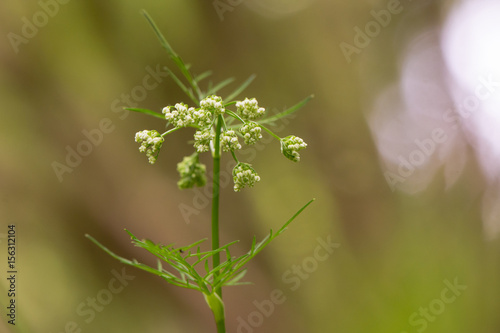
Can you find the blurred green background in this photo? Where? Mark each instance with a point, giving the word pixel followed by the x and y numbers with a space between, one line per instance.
pixel 396 250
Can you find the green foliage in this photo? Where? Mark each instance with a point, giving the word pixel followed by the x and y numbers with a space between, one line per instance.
pixel 193 91
pixel 190 265
pixel 272 119
pixel 148 112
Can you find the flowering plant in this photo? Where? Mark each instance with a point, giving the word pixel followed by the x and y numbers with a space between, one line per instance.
pixel 218 129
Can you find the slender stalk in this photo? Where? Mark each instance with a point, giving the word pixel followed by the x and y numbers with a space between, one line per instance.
pixel 221 325
pixel 220 321
pixel 215 199
pixel 269 131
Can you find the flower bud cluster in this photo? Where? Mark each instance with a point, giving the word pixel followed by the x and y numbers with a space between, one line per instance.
pixel 251 132
pixel 202 139
pixel 202 117
pixel 192 172
pixel 244 175
pixel 229 141
pixel 213 104
pixel 180 115
pixel 290 147
pixel 249 109
pixel 151 142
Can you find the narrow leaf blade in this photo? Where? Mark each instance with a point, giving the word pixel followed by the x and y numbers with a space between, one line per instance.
pixel 146 111
pixel 220 85
pixel 240 89
pixel 287 112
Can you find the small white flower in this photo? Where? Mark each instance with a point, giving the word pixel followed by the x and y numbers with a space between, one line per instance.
pixel 229 141
pixel 213 104
pixel 151 142
pixel 181 116
pixel 244 175
pixel 202 140
pixel 290 147
pixel 251 132
pixel 249 109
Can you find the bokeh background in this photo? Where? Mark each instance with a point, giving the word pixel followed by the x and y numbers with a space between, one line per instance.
pixel 409 218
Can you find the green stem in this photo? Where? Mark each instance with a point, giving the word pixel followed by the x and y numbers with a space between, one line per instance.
pixel 170 131
pixel 217 306
pixel 221 325
pixel 215 215
pixel 269 131
pixel 234 157
pixel 215 199
pixel 234 115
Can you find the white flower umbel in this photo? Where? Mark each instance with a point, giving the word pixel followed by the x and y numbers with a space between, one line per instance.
pixel 244 175
pixel 151 142
pixel 290 147
pixel 251 132
pixel 180 115
pixel 249 109
pixel 202 117
pixel 229 141
pixel 213 104
pixel 202 140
